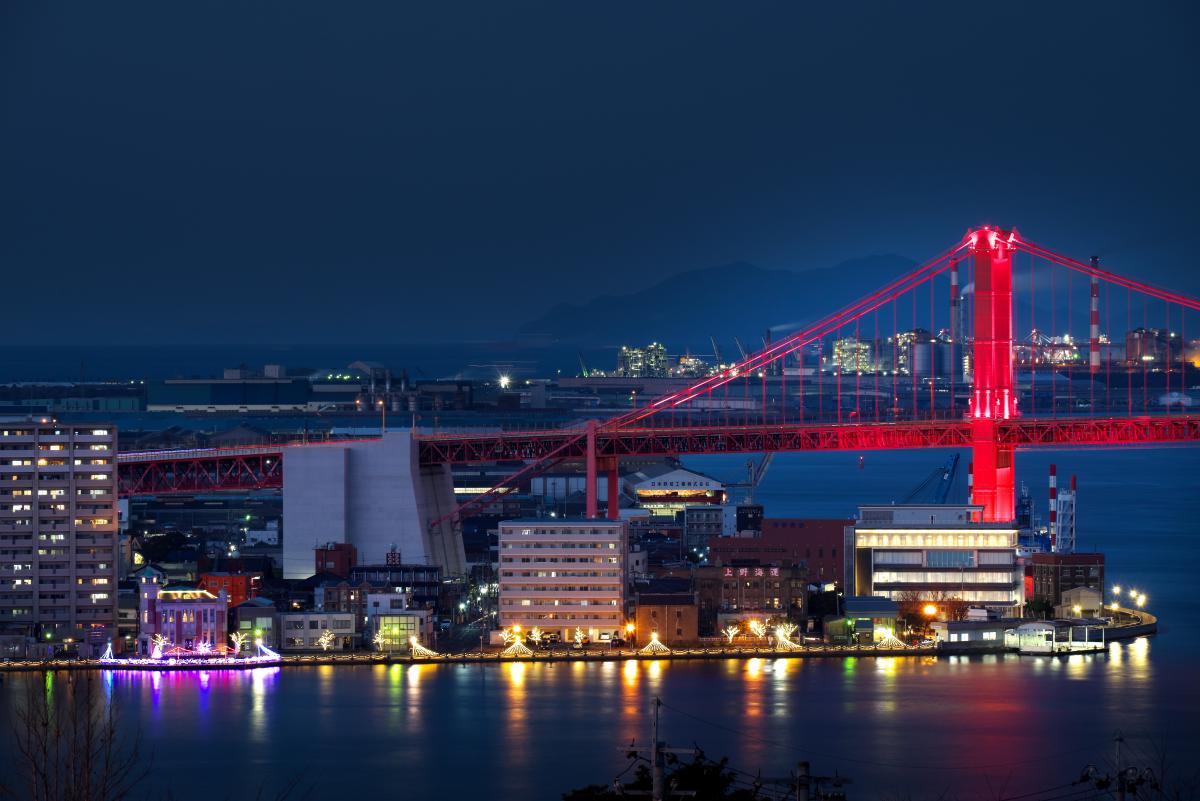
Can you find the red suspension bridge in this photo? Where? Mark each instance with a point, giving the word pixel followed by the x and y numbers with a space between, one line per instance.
pixel 963 382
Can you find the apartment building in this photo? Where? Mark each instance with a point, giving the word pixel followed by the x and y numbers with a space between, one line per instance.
pixel 563 574
pixel 58 533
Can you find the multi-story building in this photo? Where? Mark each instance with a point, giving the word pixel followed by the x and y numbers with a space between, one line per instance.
pixel 316 631
pixel 749 589
pixel 1055 573
pixel 58 532
pixel 673 616
pixel 560 575
pixel 185 616
pixel 256 619
pixel 336 558
pixel 422 582
pixel 936 551
pixel 238 587
pixel 789 542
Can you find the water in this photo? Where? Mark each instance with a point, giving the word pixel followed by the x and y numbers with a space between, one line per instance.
pixel 992 726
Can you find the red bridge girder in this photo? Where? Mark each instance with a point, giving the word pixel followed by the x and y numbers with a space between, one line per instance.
pixel 1021 433
pixel 164 473
pixel 167 475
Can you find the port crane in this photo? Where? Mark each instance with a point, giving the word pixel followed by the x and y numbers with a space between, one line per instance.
pixel 755 471
pixel 937 484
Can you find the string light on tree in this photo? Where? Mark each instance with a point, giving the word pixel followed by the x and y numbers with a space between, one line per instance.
pixel 326 639
pixel 516 644
pixel 654 647
pixel 420 651
pixel 730 632
pixel 783 637
pixel 758 628
pixel 238 639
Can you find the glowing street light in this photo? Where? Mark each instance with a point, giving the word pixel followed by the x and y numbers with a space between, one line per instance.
pixel 505 381
pixel 1077 609
pixel 1116 589
pixel 930 610
pixel 1141 600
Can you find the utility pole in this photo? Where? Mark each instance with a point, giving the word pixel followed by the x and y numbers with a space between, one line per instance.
pixel 656 757
pixel 802 781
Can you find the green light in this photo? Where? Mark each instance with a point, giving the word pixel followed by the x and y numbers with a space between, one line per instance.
pixel 49 635
pixel 247 517
pixel 258 632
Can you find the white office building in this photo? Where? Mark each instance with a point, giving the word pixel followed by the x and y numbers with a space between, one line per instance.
pixel 559 575
pixel 939 551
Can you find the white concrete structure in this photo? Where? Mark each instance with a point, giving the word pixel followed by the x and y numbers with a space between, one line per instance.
pixel 372 494
pixel 559 575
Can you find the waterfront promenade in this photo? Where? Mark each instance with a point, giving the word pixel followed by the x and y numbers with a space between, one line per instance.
pixel 1139 624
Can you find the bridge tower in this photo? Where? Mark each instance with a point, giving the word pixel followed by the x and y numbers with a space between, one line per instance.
pixel 993 398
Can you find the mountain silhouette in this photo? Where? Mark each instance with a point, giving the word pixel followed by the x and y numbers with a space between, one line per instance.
pixel 737 299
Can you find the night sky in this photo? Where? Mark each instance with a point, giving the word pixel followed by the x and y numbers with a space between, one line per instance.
pixel 300 171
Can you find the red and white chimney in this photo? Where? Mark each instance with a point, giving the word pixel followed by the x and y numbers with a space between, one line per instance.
pixel 1053 507
pixel 1094 329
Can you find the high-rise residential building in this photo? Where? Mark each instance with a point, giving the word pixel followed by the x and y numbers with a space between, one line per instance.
pixel 58 532
pixel 559 575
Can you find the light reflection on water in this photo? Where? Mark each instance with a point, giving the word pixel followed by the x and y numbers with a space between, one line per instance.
pixel 535 729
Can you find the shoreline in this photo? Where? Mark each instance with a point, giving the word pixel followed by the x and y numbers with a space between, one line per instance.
pixel 1144 628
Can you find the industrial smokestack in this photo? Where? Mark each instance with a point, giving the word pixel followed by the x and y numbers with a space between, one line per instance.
pixel 1053 507
pixel 1094 330
pixel 953 301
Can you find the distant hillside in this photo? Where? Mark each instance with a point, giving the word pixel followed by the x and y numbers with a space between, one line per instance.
pixel 731 300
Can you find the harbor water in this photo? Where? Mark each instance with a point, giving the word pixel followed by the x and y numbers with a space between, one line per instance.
pixel 920 727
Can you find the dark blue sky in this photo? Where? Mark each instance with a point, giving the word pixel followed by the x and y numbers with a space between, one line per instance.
pixel 308 171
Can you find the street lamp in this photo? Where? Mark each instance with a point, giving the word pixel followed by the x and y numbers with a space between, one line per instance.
pixel 382 417
pixel 1141 600
pixel 930 610
pixel 1077 609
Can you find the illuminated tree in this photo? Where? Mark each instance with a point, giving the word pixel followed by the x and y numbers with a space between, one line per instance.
pixel 326 639
pixel 238 639
pixel 535 635
pixel 758 628
pixel 730 632
pixel 420 651
pixel 515 642
pixel 654 647
pixel 380 640
pixel 161 644
pixel 579 636
pixel 783 636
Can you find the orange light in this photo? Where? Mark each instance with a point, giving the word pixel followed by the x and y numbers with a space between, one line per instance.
pixel 930 610
pixel 629 628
